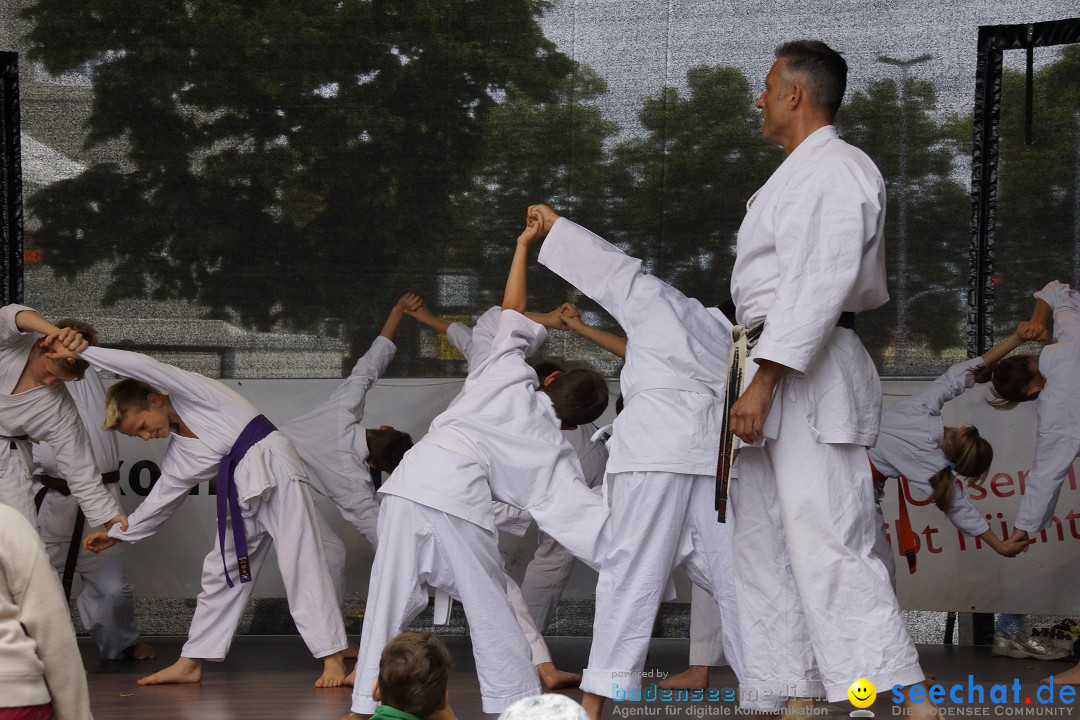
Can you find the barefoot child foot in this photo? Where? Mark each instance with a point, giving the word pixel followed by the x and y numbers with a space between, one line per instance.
pixel 140 651
pixel 554 678
pixel 184 670
pixel 695 677
pixel 1069 677
pixel 333 674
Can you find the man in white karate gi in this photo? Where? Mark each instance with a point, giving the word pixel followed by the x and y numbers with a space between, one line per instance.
pixel 35 404
pixel 661 472
pixel 812 597
pixel 106 599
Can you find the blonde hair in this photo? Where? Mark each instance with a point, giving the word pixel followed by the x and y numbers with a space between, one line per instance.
pixel 120 398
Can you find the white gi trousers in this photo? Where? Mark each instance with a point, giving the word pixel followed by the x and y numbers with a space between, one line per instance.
pixel 545 579
pixel 286 517
pixel 106 598
pixel 706 623
pixel 659 522
pixel 808 582
pixel 15 478
pixel 421 546
pixel 537 646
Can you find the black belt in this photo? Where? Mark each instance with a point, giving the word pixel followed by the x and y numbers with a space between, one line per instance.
pixel 732 392
pixel 60 485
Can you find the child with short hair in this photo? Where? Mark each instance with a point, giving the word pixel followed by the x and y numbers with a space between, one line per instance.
pixel 35 403
pixel 500 439
pixel 414 671
pixel 106 600
pixel 262 492
pixel 339 452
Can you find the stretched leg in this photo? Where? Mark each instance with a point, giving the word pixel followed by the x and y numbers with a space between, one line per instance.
pixel 778 658
pixel 545 579
pixel 706 642
pixel 217 610
pixel 552 677
pixel 395 593
pixel 825 499
pixel 15 485
pixel 648 516
pixel 289 516
pixel 106 602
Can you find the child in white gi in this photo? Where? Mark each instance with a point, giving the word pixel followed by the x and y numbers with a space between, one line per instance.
pixel 661 473
pixel 338 451
pixel 106 601
pixel 550 568
pixel 706 622
pixel 34 403
pixel 262 489
pixel 500 439
pixel 1052 379
pixel 913 443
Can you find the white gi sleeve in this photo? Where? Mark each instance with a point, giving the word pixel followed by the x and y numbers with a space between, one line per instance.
pixel 475 343
pixel 348 398
pixel 1065 302
pixel 168 494
pixel 1054 454
pixel 965 516
pixel 949 385
pixel 821 237
pixel 168 379
pixel 597 268
pixel 510 519
pixel 75 463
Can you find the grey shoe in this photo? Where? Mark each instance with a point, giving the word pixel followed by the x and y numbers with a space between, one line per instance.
pixel 1030 648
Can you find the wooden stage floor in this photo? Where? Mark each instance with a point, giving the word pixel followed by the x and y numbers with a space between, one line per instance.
pixel 272 678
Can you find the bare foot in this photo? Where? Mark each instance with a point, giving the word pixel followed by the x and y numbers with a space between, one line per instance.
pixel 184 670
pixel 554 678
pixel 352 651
pixel 350 679
pixel 1069 677
pixel 593 704
pixel 140 651
pixel 799 708
pixel 924 709
pixel 929 676
pixel 695 677
pixel 355 716
pixel 333 673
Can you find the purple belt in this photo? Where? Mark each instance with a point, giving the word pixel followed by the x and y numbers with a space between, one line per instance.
pixel 228 501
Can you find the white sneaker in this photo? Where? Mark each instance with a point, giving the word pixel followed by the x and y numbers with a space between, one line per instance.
pixel 1030 648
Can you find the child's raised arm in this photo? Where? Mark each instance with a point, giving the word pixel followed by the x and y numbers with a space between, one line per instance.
pixel 516 294
pixel 572 320
pixel 407 302
pixel 422 315
pixel 1024 332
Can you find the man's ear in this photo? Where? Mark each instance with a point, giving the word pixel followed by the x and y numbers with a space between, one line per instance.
pixel 551 378
pixel 375 694
pixel 155 401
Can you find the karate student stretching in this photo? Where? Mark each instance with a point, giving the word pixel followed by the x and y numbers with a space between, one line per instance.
pixel 501 439
pixel 1052 380
pixel 263 497
pixel 664 446
pixel 34 403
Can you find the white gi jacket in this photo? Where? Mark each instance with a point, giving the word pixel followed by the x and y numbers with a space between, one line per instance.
pixel 676 356
pixel 516 451
pixel 89 397
pixel 49 414
pixel 332 442
pixel 811 247
pixel 217 415
pixel 1057 438
pixel 909 443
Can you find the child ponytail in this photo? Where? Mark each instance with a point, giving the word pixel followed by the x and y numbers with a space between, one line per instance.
pixel 942 483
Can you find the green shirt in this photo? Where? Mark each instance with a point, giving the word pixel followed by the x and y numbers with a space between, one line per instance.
pixel 385 712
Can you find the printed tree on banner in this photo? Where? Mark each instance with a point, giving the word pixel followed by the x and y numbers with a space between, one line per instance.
pixel 285 161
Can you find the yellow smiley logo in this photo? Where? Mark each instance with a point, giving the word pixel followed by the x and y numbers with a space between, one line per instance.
pixel 862 693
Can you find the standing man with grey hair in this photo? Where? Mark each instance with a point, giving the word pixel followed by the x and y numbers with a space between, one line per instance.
pixel 816 609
